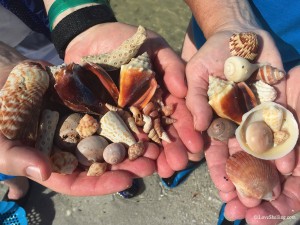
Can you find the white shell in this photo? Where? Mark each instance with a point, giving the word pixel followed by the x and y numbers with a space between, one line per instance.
pixel 273 117
pixel 264 92
pixel 289 125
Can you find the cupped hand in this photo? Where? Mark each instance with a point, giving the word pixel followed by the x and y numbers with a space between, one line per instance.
pixel 170 71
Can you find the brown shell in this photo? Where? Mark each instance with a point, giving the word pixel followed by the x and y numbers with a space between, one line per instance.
pixel 97 169
pixel 221 129
pixel 136 150
pixel 270 74
pixel 244 44
pixel 114 153
pixel 20 100
pixel 248 95
pixel 251 176
pixel 63 162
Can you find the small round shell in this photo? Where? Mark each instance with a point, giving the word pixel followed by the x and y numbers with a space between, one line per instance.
pixel 97 169
pixel 221 129
pixel 114 153
pixel 136 150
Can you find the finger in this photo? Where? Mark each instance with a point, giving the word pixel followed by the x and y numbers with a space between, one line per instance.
pixel 296 171
pixel 287 163
pixel 20 160
pixel 248 202
pixel 235 210
pixel 152 151
pixel 227 196
pixel 163 168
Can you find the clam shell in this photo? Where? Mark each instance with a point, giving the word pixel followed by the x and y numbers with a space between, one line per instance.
pixel 87 126
pixel 63 162
pixel 221 129
pixel 244 44
pixel 264 92
pixel 114 153
pixel 270 75
pixel 114 128
pixel 122 55
pixel 289 125
pixel 20 100
pixel 252 177
pixel 136 150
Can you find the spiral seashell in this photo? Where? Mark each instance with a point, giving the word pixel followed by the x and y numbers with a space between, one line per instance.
pixel 97 169
pixel 122 55
pixel 90 150
pixel 221 129
pixel 252 177
pixel 264 92
pixel 20 100
pixel 87 126
pixel 154 136
pixel 273 117
pixel 238 69
pixel 168 110
pixel 136 150
pixel 112 107
pixel 149 108
pixel 280 136
pixel 269 74
pixel 129 120
pixel 244 44
pixel 165 137
pixel 137 115
pixel 148 124
pixel 154 114
pixel 168 120
pixel 63 162
pixel 157 127
pixel 47 126
pixel 114 153
pixel 114 128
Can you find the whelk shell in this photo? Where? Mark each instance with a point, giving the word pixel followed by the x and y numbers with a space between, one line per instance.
pixel 20 100
pixel 289 125
pixel 252 177
pixel 269 74
pixel 264 92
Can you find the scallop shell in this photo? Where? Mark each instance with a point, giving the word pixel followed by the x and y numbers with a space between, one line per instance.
pixel 221 129
pixel 114 128
pixel 20 100
pixel 122 55
pixel 87 126
pixel 97 169
pixel 252 177
pixel 270 75
pixel 244 44
pixel 289 125
pixel 137 82
pixel 273 117
pixel 238 69
pixel 264 92
pixel 136 150
pixel 114 153
pixel 63 162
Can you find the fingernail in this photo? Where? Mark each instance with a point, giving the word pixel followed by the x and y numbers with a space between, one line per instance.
pixel 34 172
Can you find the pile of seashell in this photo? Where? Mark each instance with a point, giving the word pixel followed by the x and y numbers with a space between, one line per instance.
pixel 89 114
pixel 245 104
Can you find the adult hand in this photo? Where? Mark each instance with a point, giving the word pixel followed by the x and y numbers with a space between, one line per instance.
pixel 170 70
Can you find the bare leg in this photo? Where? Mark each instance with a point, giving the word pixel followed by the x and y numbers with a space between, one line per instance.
pixel 18 187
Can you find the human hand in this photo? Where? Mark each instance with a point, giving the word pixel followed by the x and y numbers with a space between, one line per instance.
pixel 170 72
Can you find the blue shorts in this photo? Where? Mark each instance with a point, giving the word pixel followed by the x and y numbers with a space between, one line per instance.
pixel 4 177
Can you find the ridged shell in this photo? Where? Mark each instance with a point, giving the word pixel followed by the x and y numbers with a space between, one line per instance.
pixel 87 126
pixel 114 153
pixel 20 100
pixel 114 128
pixel 264 92
pixel 122 55
pixel 270 75
pixel 252 177
pixel 136 150
pixel 63 162
pixel 238 69
pixel 289 125
pixel 273 117
pixel 244 44
pixel 221 129
pixel 137 82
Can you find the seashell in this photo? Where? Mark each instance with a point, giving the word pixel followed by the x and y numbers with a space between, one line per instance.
pixel 269 74
pixel 112 107
pixel 148 124
pixel 273 117
pixel 137 82
pixel 148 108
pixel 90 150
pixel 114 128
pixel 63 162
pixel 154 136
pixel 277 150
pixel 221 129
pixel 84 88
pixel 168 110
pixel 244 44
pixel 162 134
pixel 66 136
pixel 167 120
pixel 47 127
pixel 238 69
pixel 248 95
pixel 122 55
pixel 114 153
pixel 20 101
pixel 154 114
pixel 136 150
pixel 87 126
pixel 165 137
pixel 264 92
pixel 280 137
pixel 129 120
pixel 137 115
pixel 97 169
pixel 252 177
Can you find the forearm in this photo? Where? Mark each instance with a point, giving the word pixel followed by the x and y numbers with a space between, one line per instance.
pixel 218 15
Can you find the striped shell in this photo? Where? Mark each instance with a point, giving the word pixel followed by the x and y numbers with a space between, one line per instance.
pixel 244 44
pixel 264 92
pixel 252 177
pixel 21 98
pixel 270 75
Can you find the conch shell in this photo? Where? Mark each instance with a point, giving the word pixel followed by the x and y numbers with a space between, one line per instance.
pixel 244 44
pixel 20 100
pixel 252 177
pixel 258 114
pixel 137 82
pixel 269 74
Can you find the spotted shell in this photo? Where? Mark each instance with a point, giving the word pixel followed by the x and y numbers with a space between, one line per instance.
pixel 20 100
pixel 221 129
pixel 114 153
pixel 136 150
pixel 244 44
pixel 264 92
pixel 270 75
pixel 289 125
pixel 252 177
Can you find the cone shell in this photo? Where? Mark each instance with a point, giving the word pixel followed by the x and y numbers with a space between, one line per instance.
pixel 114 128
pixel 244 44
pixel 221 129
pixel 270 75
pixel 137 82
pixel 20 100
pixel 63 162
pixel 289 125
pixel 264 92
pixel 252 177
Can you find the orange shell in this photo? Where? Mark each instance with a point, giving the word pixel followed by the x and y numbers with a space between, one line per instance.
pixel 270 75
pixel 252 177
